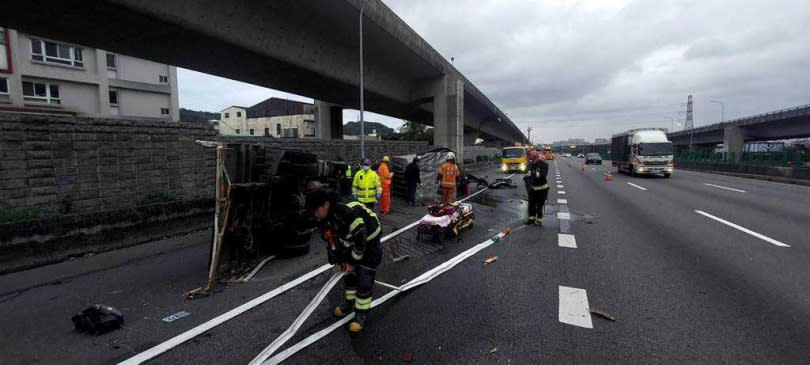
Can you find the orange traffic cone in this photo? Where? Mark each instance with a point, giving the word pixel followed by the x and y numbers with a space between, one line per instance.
pixel 608 176
pixel 582 168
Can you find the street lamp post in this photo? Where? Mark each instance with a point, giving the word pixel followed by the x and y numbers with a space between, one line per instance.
pixel 671 123
pixel 722 110
pixel 362 122
pixel 530 135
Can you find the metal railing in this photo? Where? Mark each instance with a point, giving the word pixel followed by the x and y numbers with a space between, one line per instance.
pixel 729 122
pixel 785 159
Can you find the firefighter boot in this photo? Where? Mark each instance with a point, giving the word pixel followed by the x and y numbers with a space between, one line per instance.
pixel 530 220
pixel 359 321
pixel 344 309
pixel 538 221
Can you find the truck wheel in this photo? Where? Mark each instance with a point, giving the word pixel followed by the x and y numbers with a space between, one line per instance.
pixel 667 176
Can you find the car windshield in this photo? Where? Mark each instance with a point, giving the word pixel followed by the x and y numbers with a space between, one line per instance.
pixel 512 152
pixel 593 155
pixel 655 149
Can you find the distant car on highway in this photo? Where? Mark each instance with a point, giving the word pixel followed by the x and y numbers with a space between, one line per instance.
pixel 593 158
pixel 566 155
pixel 580 156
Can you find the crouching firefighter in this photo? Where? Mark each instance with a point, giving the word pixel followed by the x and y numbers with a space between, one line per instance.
pixel 352 233
pixel 537 187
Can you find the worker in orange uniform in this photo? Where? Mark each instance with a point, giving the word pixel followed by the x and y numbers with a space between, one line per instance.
pixel 447 177
pixel 386 177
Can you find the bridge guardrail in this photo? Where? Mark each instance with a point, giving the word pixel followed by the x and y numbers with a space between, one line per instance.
pixel 709 126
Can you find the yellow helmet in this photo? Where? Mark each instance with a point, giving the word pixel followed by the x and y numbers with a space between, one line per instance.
pixel 386 159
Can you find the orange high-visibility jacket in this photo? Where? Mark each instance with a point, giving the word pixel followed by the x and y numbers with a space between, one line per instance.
pixel 448 173
pixel 385 175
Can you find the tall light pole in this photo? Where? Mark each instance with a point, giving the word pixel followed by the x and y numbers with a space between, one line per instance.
pixel 362 122
pixel 530 135
pixel 722 110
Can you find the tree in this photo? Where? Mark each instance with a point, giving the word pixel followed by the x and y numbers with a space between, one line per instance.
pixel 412 131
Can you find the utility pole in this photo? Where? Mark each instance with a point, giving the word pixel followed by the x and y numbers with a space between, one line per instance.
pixel 530 135
pixel 362 122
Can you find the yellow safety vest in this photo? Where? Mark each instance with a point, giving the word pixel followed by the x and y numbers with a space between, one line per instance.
pixel 349 171
pixel 366 186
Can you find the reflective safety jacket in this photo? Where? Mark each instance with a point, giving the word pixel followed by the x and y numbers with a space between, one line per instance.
pixel 536 176
pixel 385 174
pixel 448 174
pixel 352 233
pixel 348 171
pixel 366 186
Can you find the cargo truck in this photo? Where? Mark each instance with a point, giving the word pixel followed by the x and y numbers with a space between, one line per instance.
pixel 642 151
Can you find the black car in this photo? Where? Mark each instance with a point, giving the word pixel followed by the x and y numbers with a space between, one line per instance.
pixel 593 158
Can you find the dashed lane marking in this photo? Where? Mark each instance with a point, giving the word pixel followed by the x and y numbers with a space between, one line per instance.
pixel 561 192
pixel 574 307
pixel 561 215
pixel 741 228
pixel 560 186
pixel 566 240
pixel 636 186
pixel 723 187
pixel 562 201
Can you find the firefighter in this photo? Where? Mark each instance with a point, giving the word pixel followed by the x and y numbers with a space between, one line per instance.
pixel 352 233
pixel 386 177
pixel 536 187
pixel 366 186
pixel 447 177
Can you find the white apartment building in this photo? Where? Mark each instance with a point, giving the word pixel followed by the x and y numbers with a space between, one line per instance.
pixel 43 75
pixel 273 117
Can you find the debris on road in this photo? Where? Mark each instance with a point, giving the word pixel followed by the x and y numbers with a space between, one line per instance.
pixel 601 314
pixel 490 260
pixel 98 319
pixel 491 230
pixel 503 183
pixel 176 316
pixel 402 258
pixel 494 350
pixel 407 357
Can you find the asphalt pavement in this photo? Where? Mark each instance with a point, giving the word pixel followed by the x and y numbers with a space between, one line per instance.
pixel 696 268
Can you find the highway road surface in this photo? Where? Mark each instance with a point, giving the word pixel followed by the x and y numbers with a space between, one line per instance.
pixel 697 268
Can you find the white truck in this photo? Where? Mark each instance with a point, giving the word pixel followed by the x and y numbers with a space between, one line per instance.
pixel 642 151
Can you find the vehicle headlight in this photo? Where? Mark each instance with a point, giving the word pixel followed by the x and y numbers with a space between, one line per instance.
pixel 669 169
pixel 503 167
pixel 523 166
pixel 640 169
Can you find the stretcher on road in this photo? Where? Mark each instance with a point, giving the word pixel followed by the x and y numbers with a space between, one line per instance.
pixel 445 219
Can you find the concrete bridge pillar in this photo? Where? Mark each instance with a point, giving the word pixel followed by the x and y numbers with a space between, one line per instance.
pixel 328 120
pixel 733 141
pixel 448 114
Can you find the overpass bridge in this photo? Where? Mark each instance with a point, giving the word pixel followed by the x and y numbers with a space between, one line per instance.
pixel 306 47
pixel 733 134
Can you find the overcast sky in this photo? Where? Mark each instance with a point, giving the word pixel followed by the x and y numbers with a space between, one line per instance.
pixel 593 68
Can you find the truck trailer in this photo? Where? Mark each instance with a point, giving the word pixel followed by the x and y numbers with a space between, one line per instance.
pixel 642 152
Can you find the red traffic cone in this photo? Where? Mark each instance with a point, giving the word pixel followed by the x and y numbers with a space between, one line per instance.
pixel 608 176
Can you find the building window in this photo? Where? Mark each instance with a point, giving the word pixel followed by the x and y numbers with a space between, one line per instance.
pixel 163 79
pixel 227 115
pixel 41 92
pixel 113 97
pixel 3 86
pixel 266 132
pixel 251 132
pixel 238 114
pixel 5 51
pixel 164 111
pixel 278 129
pixel 111 61
pixel 237 131
pixel 56 53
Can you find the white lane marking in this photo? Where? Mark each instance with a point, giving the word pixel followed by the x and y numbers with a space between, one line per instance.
pixel 560 186
pixel 741 228
pixel 185 336
pixel 636 186
pixel 562 201
pixel 561 192
pixel 574 308
pixel 566 240
pixel 593 169
pixel 561 215
pixel 723 187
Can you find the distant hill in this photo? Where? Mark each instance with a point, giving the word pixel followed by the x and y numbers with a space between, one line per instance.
pixel 353 129
pixel 188 115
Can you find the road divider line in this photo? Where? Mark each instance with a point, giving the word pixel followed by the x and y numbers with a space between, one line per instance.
pixel 562 201
pixel 741 228
pixel 723 187
pixel 566 240
pixel 636 186
pixel 574 309
pixel 561 192
pixel 561 215
pixel 560 186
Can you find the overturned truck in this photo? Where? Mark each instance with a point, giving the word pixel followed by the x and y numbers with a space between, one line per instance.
pixel 260 205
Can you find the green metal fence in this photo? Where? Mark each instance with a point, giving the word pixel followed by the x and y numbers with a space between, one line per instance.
pixel 787 159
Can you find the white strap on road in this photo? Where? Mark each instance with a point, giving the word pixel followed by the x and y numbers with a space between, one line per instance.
pixel 286 335
pixel 185 336
pixel 419 280
pixel 222 318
